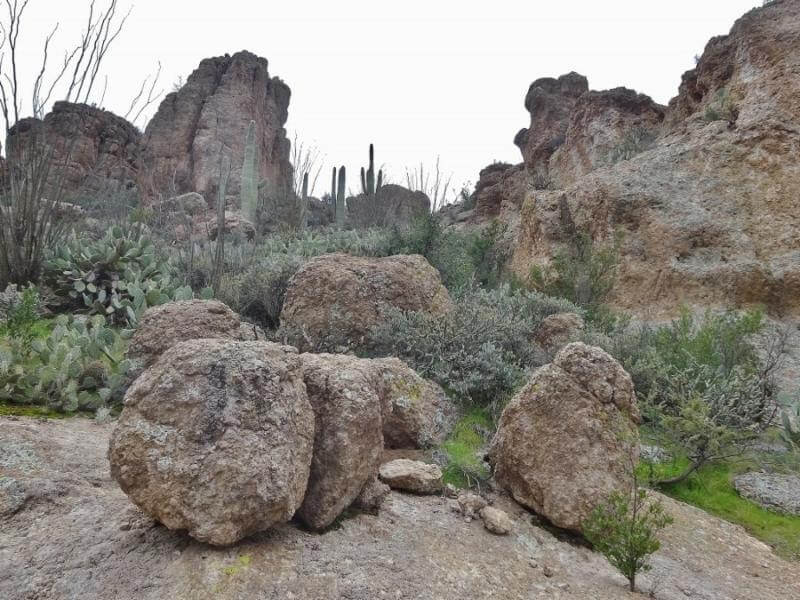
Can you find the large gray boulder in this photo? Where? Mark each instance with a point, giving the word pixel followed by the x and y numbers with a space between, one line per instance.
pixel 569 438
pixel 216 438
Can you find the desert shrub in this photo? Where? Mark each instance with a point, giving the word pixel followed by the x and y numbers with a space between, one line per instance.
pixel 258 293
pixel 22 315
pixel 79 365
pixel 118 276
pixel 624 530
pixel 702 384
pixel 480 350
pixel 634 141
pixel 722 108
pixel 790 421
pixel 460 256
pixel 583 274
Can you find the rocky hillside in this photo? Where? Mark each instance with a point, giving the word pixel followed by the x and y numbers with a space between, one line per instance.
pixel 703 192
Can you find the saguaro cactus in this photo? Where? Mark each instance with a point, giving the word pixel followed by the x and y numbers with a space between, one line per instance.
pixel 249 180
pixel 302 221
pixel 368 183
pixel 219 255
pixel 341 214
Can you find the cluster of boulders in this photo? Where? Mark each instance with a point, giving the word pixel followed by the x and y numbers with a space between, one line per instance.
pixel 224 434
pixel 225 437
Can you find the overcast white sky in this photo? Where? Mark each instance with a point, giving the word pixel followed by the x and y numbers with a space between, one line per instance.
pixel 419 78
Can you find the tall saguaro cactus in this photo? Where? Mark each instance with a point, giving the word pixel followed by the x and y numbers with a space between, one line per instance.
pixel 219 254
pixel 249 180
pixel 368 184
pixel 341 190
pixel 302 221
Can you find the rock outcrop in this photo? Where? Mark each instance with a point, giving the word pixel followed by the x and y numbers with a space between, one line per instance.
pixel 558 329
pixel 569 438
pixel 707 215
pixel 501 185
pixel 348 443
pixel 181 144
pixel 161 327
pixel 392 205
pixel 94 152
pixel 216 438
pixel 550 103
pixel 334 300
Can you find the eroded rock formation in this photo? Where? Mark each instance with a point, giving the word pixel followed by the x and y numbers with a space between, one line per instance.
pixel 94 152
pixel 708 212
pixel 181 145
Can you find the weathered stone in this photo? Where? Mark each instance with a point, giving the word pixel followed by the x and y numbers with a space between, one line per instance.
pixel 412 476
pixel 347 442
pixel 500 186
pixel 558 329
pixel 216 438
pixel 334 300
pixel 569 437
pixel 163 326
pixel 471 504
pixel 416 412
pixel 773 491
pixel 497 521
pixel 372 495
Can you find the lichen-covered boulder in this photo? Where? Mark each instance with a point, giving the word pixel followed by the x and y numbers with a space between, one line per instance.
pixel 164 326
pixel 416 412
pixel 216 438
pixel 348 442
pixel 556 330
pixel 569 438
pixel 334 300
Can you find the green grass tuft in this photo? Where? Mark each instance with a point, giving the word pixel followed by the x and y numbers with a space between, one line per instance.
pixel 465 467
pixel 711 489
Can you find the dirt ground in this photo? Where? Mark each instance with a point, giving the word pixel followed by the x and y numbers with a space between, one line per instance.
pixel 68 532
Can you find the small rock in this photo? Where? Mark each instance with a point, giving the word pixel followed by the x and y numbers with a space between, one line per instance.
pixel 471 504
pixel 548 572
pixel 372 495
pixel 496 520
pixel 412 476
pixel 451 491
pixel 773 491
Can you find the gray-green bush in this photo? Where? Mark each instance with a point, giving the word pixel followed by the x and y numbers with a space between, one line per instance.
pixel 481 350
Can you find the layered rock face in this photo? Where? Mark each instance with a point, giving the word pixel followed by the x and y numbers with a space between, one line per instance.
pixel 216 439
pixel 93 151
pixel 569 438
pixel 708 214
pixel 335 299
pixel 181 145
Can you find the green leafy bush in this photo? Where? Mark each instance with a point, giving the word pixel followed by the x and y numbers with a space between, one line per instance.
pixel 465 466
pixel 583 274
pixel 118 276
pixel 702 383
pixel 479 351
pixel 624 530
pixel 22 316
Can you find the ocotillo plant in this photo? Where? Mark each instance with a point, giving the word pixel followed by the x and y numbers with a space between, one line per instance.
pixel 249 181
pixel 339 194
pixel 302 220
pixel 219 255
pixel 368 184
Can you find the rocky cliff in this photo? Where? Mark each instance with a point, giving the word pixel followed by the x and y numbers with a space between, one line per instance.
pixel 181 145
pixel 93 150
pixel 707 205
